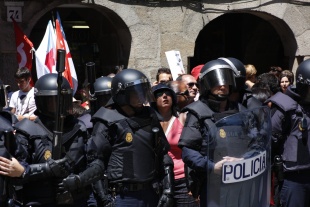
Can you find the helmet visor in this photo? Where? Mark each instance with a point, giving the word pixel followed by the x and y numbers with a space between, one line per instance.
pixel 219 77
pixel 47 105
pixel 139 95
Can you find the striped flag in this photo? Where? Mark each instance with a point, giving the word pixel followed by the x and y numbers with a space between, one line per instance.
pixel 61 43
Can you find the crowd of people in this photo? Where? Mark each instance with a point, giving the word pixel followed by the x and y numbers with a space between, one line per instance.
pixel 170 143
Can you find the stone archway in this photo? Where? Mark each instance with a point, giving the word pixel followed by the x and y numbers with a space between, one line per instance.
pixel 107 42
pixel 254 38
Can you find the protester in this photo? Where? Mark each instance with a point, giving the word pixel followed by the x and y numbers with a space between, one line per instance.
pixel 275 70
pixel 163 76
pixel 165 105
pixel 180 89
pixel 192 85
pixel 250 78
pixel 22 102
pixel 286 79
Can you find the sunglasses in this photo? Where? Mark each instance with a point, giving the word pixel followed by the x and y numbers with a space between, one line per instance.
pixel 192 84
pixel 161 93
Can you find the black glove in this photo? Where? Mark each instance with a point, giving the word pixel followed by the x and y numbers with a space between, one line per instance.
pixel 70 183
pixel 59 168
pixel 93 173
pixel 166 199
pixel 102 194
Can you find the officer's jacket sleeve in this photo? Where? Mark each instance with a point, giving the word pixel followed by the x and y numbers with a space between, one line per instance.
pixel 277 120
pixel 196 161
pixel 99 146
pixel 22 153
pixel 191 136
pixel 191 142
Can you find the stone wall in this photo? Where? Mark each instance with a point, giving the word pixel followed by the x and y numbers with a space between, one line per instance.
pixel 157 27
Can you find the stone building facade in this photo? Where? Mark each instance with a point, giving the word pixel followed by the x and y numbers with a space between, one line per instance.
pixel 137 33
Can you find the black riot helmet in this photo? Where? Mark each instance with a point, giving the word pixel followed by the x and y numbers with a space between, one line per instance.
pixel 45 93
pixel 303 81
pixel 238 69
pixel 3 95
pixel 131 84
pixel 215 73
pixel 102 93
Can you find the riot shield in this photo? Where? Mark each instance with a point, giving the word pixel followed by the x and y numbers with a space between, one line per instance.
pixel 243 141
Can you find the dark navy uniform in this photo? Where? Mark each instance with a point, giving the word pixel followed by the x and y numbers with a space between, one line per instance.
pixel 137 154
pixel 7 120
pixel 5 130
pixel 34 141
pixel 197 140
pixel 291 143
pixel 128 144
pixel 44 169
pixel 290 129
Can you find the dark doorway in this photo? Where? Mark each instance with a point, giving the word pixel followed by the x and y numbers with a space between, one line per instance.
pixel 244 36
pixel 106 42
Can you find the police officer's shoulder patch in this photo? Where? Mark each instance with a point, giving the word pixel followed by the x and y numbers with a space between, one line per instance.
pixel 47 154
pixel 128 137
pixel 222 133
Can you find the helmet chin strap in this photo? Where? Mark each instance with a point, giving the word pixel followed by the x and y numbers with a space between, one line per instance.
pixel 217 97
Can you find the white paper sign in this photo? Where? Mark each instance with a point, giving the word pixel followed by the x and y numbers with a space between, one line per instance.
pixel 175 63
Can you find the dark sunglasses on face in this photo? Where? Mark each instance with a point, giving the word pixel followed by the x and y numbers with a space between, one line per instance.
pixel 192 84
pixel 161 93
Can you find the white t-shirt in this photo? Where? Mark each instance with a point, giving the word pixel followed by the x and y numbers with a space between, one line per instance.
pixel 24 103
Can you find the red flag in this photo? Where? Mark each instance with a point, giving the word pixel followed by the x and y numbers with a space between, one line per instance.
pixel 24 47
pixel 61 43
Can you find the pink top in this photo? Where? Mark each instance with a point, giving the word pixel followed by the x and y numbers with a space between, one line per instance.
pixel 173 134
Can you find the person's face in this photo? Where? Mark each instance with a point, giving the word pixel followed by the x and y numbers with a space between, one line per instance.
pixel 135 100
pixel 191 84
pixel 182 98
pixel 163 99
pixel 284 83
pixel 220 90
pixel 164 78
pixel 23 84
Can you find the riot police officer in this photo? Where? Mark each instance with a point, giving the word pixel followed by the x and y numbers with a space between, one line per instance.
pixel 36 169
pixel 216 84
pixel 101 96
pixel 240 93
pixel 290 131
pixel 7 119
pixel 128 141
pixel 102 88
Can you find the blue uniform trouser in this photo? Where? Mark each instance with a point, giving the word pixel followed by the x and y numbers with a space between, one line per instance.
pixel 142 198
pixel 296 190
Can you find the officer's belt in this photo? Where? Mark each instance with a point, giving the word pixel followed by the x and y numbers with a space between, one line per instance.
pixel 129 187
pixel 297 172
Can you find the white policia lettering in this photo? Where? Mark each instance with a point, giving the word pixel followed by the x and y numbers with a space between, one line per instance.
pixel 238 171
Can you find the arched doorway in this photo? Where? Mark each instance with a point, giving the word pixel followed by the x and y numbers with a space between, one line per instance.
pixel 106 42
pixel 254 38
